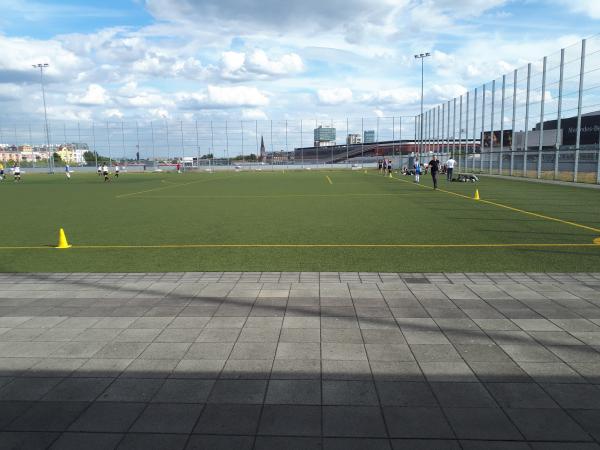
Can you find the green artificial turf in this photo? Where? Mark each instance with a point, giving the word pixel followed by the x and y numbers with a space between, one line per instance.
pixel 299 207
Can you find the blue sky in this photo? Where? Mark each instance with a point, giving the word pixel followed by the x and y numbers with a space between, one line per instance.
pixel 268 59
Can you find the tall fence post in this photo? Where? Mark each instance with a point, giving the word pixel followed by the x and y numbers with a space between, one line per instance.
pixel 491 153
pixel 123 138
pixel 227 144
pixel 198 146
pixel 579 106
pixel 542 104
pixel 483 92
pixel 514 124
pixel 242 130
pixel 443 126
pixel 301 145
pixel 182 145
pixel 448 129
pixel 559 141
pixel 137 138
pixel 454 127
pixel 468 105
pixel 501 156
pixel 94 143
pixel 168 141
pixel 460 115
pixel 108 142
pixel 212 141
pixel 526 143
pixel 440 128
pixel 474 128
pixel 153 144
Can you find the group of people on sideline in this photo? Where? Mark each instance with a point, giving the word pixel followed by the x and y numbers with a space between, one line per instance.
pixel 16 170
pixel 104 170
pixel 434 167
pixel 385 166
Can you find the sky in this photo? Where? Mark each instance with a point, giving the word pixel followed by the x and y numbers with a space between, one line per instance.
pixel 267 59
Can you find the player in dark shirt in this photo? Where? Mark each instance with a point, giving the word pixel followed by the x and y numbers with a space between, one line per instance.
pixel 434 165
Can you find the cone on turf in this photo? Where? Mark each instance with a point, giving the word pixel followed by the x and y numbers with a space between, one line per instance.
pixel 62 240
pixel 476 194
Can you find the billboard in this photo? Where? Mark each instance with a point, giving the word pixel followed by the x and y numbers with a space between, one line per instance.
pixel 494 138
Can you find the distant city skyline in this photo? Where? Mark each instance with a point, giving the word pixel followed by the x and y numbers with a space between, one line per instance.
pixel 260 60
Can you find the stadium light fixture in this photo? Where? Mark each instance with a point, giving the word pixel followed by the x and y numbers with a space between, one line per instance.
pixel 43 66
pixel 422 57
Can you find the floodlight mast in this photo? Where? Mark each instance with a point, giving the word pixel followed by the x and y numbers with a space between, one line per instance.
pixel 42 66
pixel 421 56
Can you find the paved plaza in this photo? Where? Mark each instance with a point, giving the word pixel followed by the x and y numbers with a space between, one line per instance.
pixel 300 361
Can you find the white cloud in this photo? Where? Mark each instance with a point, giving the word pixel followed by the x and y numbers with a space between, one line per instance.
pixel 94 95
pixel 19 54
pixel 113 113
pixel 335 96
pixel 288 64
pixel 590 8
pixel 257 64
pixel 10 91
pixel 215 97
pixel 398 96
pixel 254 114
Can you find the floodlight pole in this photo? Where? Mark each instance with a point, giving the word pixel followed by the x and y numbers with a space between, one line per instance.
pixel 422 57
pixel 42 66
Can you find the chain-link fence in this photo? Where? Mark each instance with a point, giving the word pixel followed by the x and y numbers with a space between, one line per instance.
pixel 540 121
pixel 217 144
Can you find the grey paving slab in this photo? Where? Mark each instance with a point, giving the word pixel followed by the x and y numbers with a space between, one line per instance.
pixel 300 360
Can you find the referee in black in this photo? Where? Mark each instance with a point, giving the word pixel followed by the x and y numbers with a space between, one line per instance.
pixel 434 166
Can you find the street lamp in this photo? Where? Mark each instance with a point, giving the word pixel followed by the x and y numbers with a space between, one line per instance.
pixel 421 56
pixel 50 154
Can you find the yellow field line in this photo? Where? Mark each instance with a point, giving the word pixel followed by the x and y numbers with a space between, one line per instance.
pixel 500 205
pixel 328 179
pixel 172 186
pixel 219 197
pixel 158 246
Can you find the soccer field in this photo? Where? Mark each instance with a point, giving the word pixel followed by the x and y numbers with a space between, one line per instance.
pixel 295 221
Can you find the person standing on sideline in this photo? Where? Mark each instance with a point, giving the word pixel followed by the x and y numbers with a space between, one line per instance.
pixel 1 172
pixel 117 171
pixel 450 168
pixel 434 165
pixel 178 168
pixel 68 171
pixel 17 173
pixel 417 170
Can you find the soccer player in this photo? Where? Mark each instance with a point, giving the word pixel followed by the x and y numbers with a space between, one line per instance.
pixel 417 170
pixel 117 171
pixel 68 171
pixel 450 168
pixel 100 170
pixel 1 172
pixel 389 166
pixel 17 173
pixel 105 172
pixel 434 165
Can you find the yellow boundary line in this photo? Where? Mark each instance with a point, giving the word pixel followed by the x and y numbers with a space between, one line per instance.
pixel 172 186
pixel 513 245
pixel 219 197
pixel 328 179
pixel 511 208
